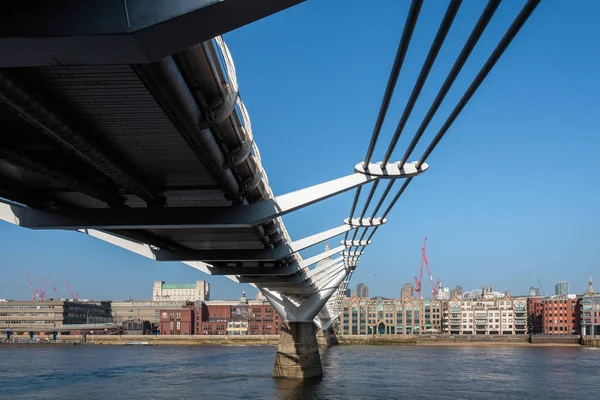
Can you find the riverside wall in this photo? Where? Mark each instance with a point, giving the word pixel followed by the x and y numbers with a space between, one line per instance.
pixel 466 340
pixel 590 341
pixel 389 340
pixel 246 340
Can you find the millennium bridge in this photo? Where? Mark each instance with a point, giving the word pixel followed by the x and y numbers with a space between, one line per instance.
pixel 122 120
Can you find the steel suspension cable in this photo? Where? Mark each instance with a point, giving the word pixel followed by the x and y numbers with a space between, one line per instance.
pixel 474 37
pixel 409 27
pixel 510 34
pixel 436 45
pixel 434 50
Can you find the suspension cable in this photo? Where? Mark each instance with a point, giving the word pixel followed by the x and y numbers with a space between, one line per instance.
pixel 474 37
pixel 409 27
pixel 510 34
pixel 434 50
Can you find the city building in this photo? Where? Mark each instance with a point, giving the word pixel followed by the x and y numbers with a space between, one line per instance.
pixel 534 291
pixel 141 310
pixel 444 293
pixel 348 293
pixel 199 291
pixel 535 322
pixel 561 288
pixel 382 316
pixel 177 321
pixel 561 316
pixel 136 328
pixel 362 290
pixel 590 312
pixel 407 290
pixel 456 292
pixel 487 315
pixel 44 316
pixel 485 291
pixel 221 317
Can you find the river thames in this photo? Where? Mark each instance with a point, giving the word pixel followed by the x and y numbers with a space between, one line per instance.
pixel 351 372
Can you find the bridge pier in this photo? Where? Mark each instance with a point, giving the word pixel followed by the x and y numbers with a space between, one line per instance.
pixel 298 352
pixel 326 338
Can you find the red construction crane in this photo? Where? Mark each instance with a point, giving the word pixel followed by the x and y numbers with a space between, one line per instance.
pixel 54 289
pixel 43 291
pixel 71 292
pixel 419 281
pixel 33 292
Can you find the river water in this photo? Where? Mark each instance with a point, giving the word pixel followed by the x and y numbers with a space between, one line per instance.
pixel 351 372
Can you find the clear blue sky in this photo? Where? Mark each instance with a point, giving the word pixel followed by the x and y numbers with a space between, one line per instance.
pixel 512 192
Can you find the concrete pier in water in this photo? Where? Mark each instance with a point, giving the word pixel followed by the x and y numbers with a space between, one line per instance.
pixel 298 352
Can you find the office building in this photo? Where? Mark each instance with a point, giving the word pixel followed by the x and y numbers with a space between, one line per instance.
pixel 44 316
pixel 407 290
pixel 141 310
pixel 487 315
pixel 534 291
pixel 362 290
pixel 561 288
pixel 348 293
pixel 199 291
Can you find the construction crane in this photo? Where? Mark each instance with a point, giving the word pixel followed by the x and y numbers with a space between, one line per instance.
pixel 71 292
pixel 54 289
pixel 419 281
pixel 33 292
pixel 542 288
pixel 43 290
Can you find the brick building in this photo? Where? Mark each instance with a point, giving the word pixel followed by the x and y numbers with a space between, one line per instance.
pixel 177 321
pixel 534 315
pixel 222 317
pixel 561 316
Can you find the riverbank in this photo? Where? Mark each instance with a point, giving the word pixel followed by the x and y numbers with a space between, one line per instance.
pixel 151 340
pixel 459 340
pixel 360 340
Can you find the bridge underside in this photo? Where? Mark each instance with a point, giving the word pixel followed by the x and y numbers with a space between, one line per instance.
pixel 133 131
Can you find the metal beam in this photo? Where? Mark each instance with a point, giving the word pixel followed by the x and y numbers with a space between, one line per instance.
pixel 16 158
pixel 315 259
pixel 192 217
pixel 249 271
pixel 119 32
pixel 309 309
pixel 324 267
pixel 309 241
pixel 271 254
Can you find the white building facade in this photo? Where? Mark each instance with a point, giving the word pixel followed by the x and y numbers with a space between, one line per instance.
pixel 486 316
pixel 199 291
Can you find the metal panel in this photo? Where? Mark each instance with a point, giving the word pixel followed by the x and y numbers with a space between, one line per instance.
pixel 113 102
